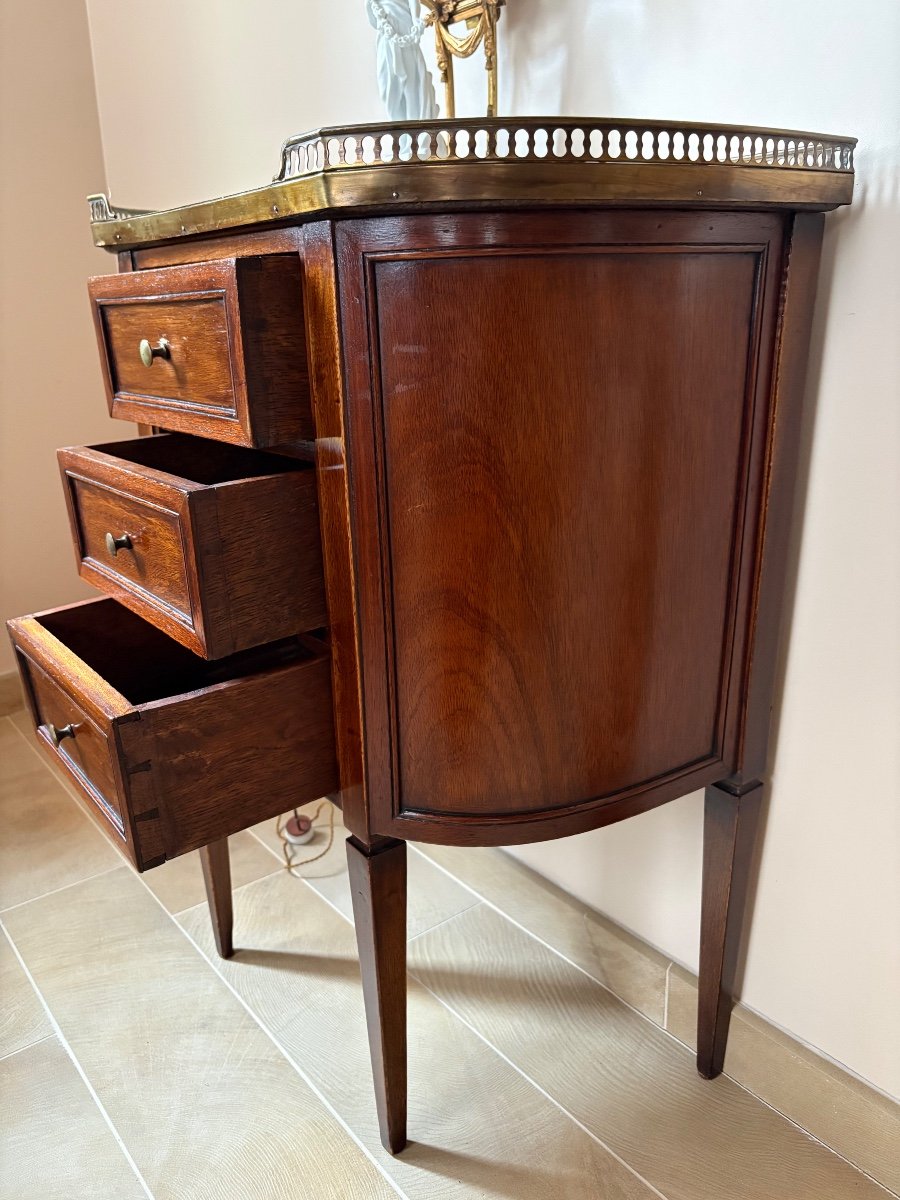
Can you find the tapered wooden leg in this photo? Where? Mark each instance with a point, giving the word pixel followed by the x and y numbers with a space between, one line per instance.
pixel 378 884
pixel 217 877
pixel 729 834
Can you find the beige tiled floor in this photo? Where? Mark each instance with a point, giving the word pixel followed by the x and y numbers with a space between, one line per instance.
pixel 853 1119
pixel 134 1062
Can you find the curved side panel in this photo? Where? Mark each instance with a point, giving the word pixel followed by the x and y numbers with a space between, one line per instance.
pixel 565 430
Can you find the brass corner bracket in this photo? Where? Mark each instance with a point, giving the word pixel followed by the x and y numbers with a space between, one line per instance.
pixel 480 18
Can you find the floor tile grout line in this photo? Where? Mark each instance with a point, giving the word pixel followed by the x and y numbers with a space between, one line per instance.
pixel 330 903
pixel 737 1083
pixel 483 900
pixel 278 1046
pixel 412 975
pixel 311 885
pixel 479 897
pixel 800 1128
pixel 299 878
pixel 171 916
pixel 352 923
pixel 490 1045
pixel 416 848
pixel 78 1067
pixel 537 1087
pixel 280 857
pixel 266 846
pixel 817 1059
pixel 805 1132
pixel 484 1040
pixel 64 888
pixel 438 924
pixel 547 945
pixel 204 902
pixel 67 788
pixel 30 1046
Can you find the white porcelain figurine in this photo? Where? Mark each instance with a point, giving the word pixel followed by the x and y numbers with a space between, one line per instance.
pixel 404 81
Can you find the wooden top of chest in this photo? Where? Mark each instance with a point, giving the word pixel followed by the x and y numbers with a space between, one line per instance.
pixel 512 162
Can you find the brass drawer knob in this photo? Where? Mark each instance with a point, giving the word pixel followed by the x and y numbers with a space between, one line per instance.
pixel 115 544
pixel 148 352
pixel 56 733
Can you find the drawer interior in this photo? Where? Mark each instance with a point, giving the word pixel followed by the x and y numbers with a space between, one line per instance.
pixel 143 664
pixel 201 461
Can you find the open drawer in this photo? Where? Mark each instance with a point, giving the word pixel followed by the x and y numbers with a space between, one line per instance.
pixel 219 547
pixel 171 751
pixel 216 349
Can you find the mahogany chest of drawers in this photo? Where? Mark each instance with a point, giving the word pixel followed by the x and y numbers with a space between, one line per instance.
pixel 472 510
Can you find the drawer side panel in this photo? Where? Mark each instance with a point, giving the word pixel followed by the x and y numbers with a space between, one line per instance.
pixel 241 752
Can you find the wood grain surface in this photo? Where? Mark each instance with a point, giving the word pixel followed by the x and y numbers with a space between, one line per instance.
pixel 136 1037
pixel 224 550
pixel 570 648
pixel 216 865
pixel 236 363
pixel 189 751
pixel 329 402
pixel 378 887
pixel 89 754
pixel 547 627
pixel 729 837
pixel 198 366
pixel 154 561
pixel 554 457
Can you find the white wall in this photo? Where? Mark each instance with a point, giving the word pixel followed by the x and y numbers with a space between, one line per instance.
pixel 51 392
pixel 824 955
pixel 196 98
pixel 202 110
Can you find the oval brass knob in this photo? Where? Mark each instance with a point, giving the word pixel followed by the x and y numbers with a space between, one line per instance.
pixel 56 733
pixel 115 544
pixel 148 352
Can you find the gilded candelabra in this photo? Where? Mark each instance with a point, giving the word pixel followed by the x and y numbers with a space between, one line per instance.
pixel 480 18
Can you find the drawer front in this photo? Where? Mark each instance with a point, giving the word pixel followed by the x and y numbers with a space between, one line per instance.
pixel 176 752
pixel 225 560
pixel 216 349
pixel 196 369
pixel 86 753
pixel 152 564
